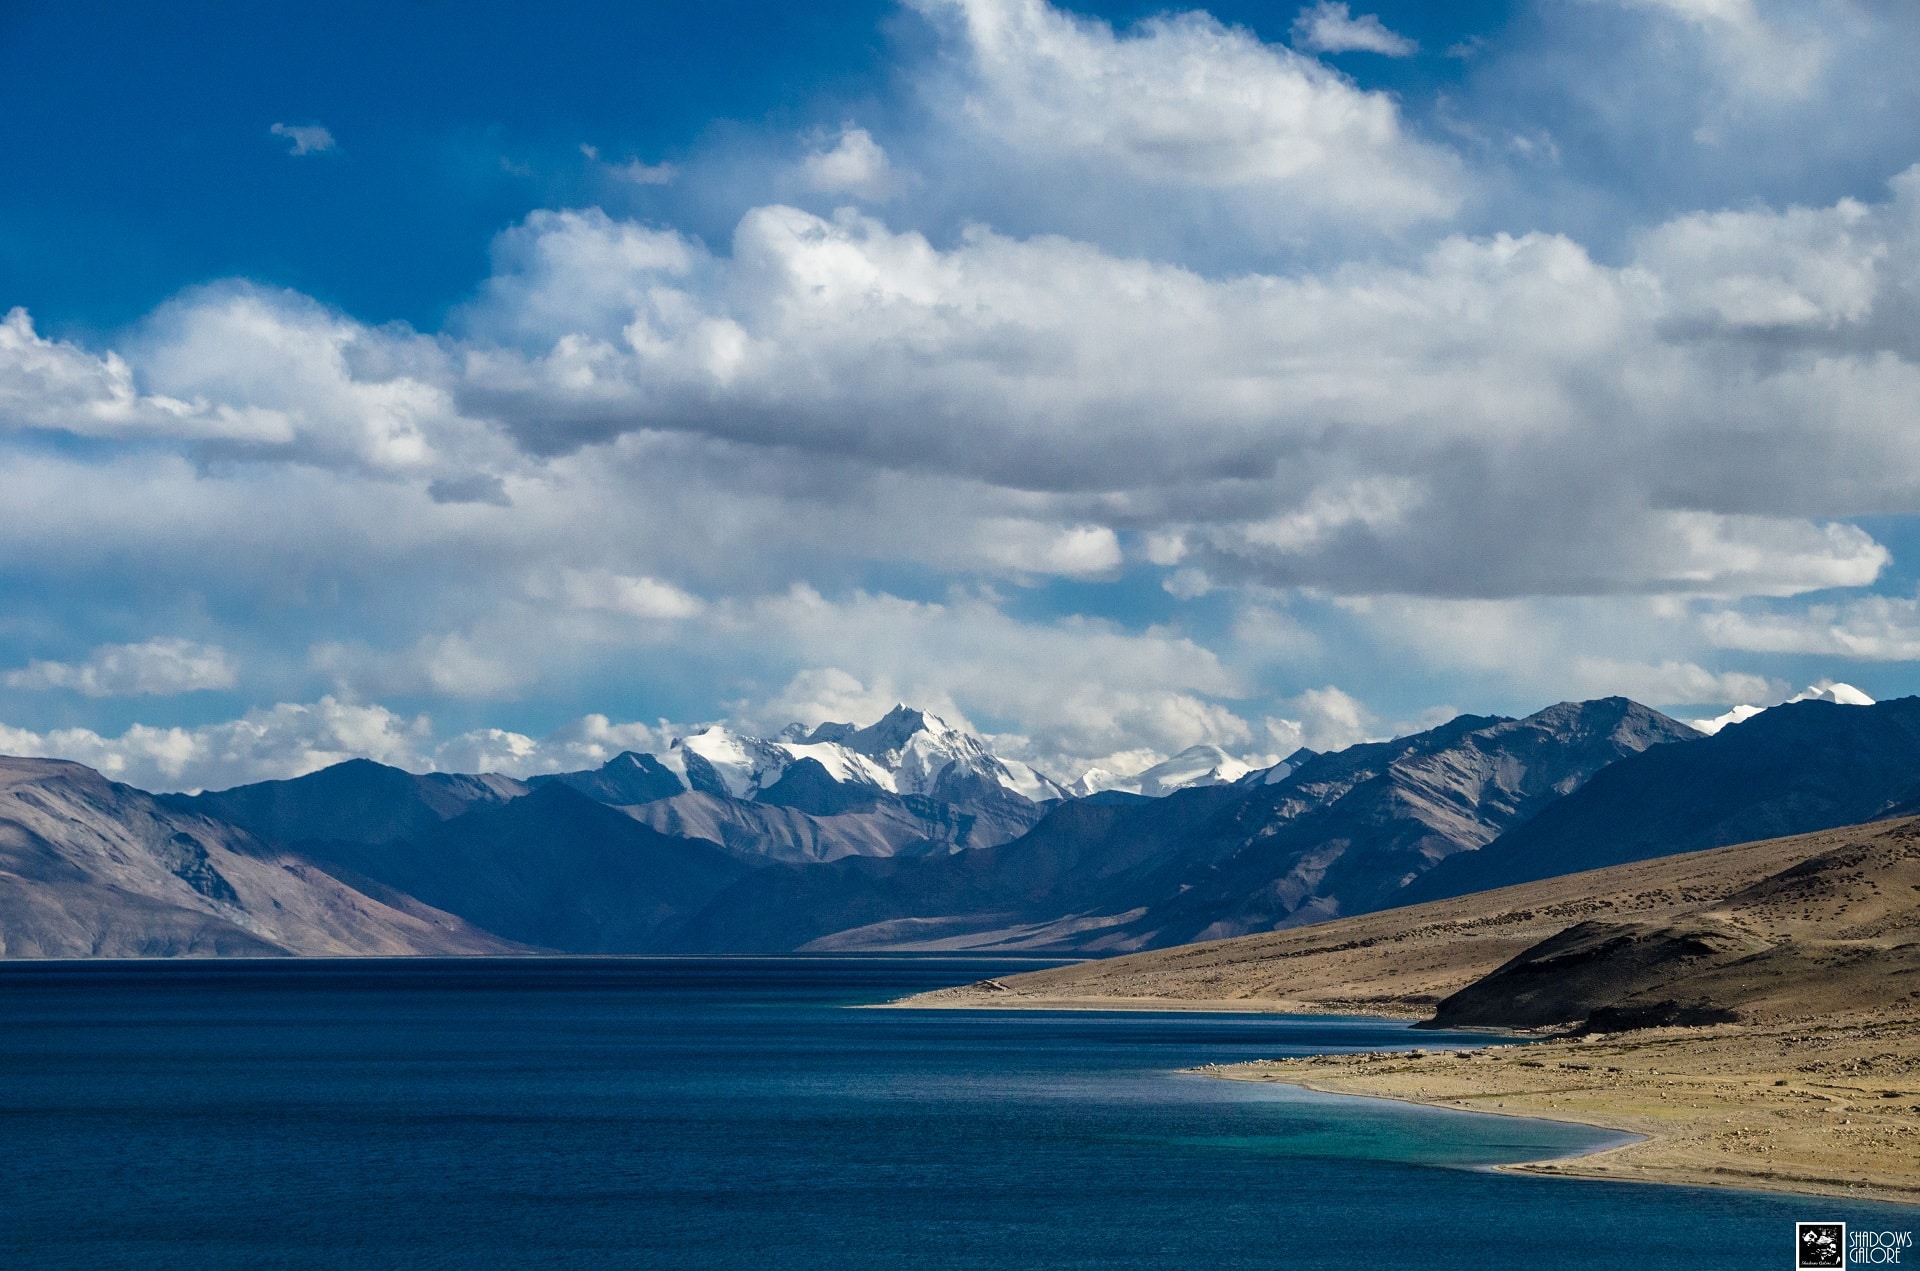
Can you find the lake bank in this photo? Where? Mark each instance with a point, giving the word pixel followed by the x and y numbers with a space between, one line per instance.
pixel 1829 1110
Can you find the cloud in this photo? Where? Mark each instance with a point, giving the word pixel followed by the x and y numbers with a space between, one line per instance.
pixel 454 665
pixel 292 739
pixel 646 173
pixel 1328 27
pixel 1527 651
pixel 854 164
pixel 1758 57
pixel 587 742
pixel 56 385
pixel 635 597
pixel 1867 629
pixel 281 741
pixel 1078 551
pixel 156 668
pixel 304 138
pixel 1508 416
pixel 1328 719
pixel 244 371
pixel 480 487
pixel 1671 683
pixel 1078 688
pixel 1805 268
pixel 1181 100
pixel 822 695
pixel 1294 383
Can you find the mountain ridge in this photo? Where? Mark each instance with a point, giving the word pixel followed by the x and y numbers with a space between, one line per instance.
pixel 93 868
pixel 1796 768
pixel 1203 862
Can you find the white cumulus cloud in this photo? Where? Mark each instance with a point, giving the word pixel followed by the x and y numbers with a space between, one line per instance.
pixel 855 164
pixel 304 138
pixel 1330 27
pixel 155 668
pixel 1868 629
pixel 281 741
pixel 1183 100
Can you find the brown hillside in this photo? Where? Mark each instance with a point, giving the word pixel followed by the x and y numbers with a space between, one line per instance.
pixel 1833 918
pixel 1754 1011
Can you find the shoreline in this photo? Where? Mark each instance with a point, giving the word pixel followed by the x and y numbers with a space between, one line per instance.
pixel 952 1000
pixel 1592 1165
pixel 1699 1124
pixel 1827 1108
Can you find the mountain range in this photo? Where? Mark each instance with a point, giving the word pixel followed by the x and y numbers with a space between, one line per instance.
pixel 909 833
pixel 92 868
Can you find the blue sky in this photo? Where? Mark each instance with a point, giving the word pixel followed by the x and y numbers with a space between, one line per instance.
pixel 480 385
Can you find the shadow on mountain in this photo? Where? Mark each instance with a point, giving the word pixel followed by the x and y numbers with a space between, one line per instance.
pixel 1796 768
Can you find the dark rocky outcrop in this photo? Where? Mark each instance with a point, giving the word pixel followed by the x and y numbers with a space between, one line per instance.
pixel 1602 974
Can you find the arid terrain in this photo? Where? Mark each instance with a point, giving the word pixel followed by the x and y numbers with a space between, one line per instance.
pixel 1751 1009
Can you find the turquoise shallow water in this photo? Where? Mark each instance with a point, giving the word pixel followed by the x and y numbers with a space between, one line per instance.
pixel 732 1113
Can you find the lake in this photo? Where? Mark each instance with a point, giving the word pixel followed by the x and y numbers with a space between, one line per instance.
pixel 736 1113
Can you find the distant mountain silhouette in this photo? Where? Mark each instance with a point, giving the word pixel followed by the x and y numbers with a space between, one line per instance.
pixel 1343 833
pixel 553 869
pixel 92 868
pixel 624 779
pixel 805 813
pixel 358 801
pixel 1804 766
pixel 371 858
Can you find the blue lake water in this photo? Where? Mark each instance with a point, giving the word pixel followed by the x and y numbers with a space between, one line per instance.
pixel 734 1113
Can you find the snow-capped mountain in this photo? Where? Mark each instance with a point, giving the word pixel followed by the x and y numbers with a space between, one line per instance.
pixel 1195 766
pixel 907 751
pixel 1280 771
pixel 1824 691
pixel 719 761
pixel 1201 765
pixel 924 755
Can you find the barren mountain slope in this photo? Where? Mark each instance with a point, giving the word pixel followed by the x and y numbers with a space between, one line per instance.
pixel 1749 1010
pixel 91 868
pixel 1800 767
pixel 1784 927
pixel 1342 833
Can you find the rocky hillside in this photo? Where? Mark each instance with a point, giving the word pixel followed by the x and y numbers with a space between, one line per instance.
pixel 91 868
pixel 1341 833
pixel 1804 766
pixel 1784 929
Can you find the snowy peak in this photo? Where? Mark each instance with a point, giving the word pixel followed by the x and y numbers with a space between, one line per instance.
pixel 1825 691
pixel 1280 771
pixel 719 761
pixel 1201 765
pixel 849 767
pixel 906 751
pixel 885 739
pixel 1832 691
pixel 923 754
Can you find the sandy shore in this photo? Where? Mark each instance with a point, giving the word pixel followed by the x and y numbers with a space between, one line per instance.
pixel 1811 943
pixel 1831 1110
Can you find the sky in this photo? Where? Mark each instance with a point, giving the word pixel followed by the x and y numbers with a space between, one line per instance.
pixel 494 386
